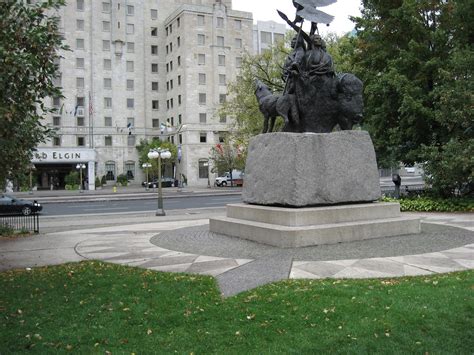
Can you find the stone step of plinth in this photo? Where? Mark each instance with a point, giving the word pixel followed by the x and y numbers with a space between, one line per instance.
pixel 308 216
pixel 301 236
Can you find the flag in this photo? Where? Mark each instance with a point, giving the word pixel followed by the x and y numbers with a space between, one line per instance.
pixel 91 110
pixel 75 110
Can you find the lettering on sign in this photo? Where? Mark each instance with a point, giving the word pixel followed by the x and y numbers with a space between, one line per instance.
pixel 57 156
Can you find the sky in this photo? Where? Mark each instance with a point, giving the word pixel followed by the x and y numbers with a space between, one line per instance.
pixel 265 10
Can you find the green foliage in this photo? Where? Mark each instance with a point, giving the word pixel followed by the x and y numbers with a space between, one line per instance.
pixel 228 156
pixel 98 183
pixel 416 61
pixel 122 179
pixel 29 45
pixel 166 164
pixel 93 307
pixel 433 204
pixel 6 230
pixel 103 180
pixel 72 178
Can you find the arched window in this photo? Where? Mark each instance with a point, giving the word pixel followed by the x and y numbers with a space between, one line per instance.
pixel 130 169
pixel 110 170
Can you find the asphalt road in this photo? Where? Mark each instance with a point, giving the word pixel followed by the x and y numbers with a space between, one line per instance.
pixel 133 206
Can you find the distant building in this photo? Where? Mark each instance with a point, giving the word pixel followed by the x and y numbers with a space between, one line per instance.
pixel 142 70
pixel 266 34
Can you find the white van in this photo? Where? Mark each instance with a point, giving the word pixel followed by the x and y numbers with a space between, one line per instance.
pixel 224 180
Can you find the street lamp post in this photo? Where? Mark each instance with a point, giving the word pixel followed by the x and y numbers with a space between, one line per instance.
pixel 32 167
pixel 146 166
pixel 159 154
pixel 80 167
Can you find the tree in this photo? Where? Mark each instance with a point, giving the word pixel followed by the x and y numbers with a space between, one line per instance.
pixel 29 48
pixel 228 156
pixel 416 61
pixel 167 164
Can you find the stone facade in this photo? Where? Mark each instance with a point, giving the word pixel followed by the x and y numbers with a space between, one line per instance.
pixel 133 69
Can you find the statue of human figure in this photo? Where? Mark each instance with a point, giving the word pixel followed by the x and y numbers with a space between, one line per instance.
pixel 293 63
pixel 318 64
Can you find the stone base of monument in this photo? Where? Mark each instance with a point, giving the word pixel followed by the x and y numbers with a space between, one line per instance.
pixel 301 227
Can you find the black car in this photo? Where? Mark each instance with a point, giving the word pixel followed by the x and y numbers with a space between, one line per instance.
pixel 165 182
pixel 12 205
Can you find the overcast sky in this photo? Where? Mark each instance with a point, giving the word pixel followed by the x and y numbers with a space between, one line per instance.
pixel 265 10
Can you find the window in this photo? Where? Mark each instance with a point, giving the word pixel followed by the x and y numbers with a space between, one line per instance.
pixel 222 119
pixel 154 86
pixel 179 41
pixel 179 99
pixel 79 43
pixel 130 47
pixel 201 40
pixel 238 24
pixel 171 66
pixel 56 121
pixel 220 41
pixel 154 50
pixel 222 98
pixel 167 67
pixel 238 43
pixel 107 83
pixel 200 20
pixel 79 83
pixel 80 63
pixel 179 61
pixel 178 21
pixel 203 168
pixel 107 102
pixel 130 103
pixel 202 79
pixel 56 102
pixel 171 102
pixel 154 14
pixel 203 137
pixel 105 26
pixel 80 5
pixel 155 123
pixel 155 105
pixel 130 165
pixel 278 37
pixel 221 60
pixel 220 22
pixel 106 7
pixel 80 101
pixel 81 141
pixel 106 45
pixel 56 141
pixel 130 66
pixel 202 99
pixel 201 59
pixel 130 85
pixel 130 28
pixel 108 121
pixel 80 25
pixel 130 10
pixel 221 137
pixel 130 122
pixel 80 121
pixel 154 32
pixel 110 170
pixel 130 143
pixel 222 79
pixel 167 49
pixel 171 28
pixel 179 80
pixel 202 118
pixel 108 141
pixel 180 119
pixel 107 64
pixel 154 68
pixel 238 62
pixel 266 37
pixel 171 84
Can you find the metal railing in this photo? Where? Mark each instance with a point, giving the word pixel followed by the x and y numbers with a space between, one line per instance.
pixel 21 223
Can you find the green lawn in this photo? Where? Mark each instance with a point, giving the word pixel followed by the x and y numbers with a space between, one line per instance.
pixel 94 307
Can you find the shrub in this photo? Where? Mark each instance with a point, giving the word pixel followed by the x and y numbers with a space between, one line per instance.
pixel 6 230
pixel 122 180
pixel 98 183
pixel 433 204
pixel 72 178
pixel 72 187
pixel 103 180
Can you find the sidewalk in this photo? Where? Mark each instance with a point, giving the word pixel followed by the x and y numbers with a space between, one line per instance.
pixel 133 192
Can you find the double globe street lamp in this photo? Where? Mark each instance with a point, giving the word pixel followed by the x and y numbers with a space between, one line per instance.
pixel 80 167
pixel 146 166
pixel 159 154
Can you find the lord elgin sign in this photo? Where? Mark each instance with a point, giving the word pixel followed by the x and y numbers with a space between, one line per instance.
pixel 63 155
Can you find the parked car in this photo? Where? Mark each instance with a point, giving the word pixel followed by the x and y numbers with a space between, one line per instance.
pixel 165 182
pixel 12 205
pixel 224 180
